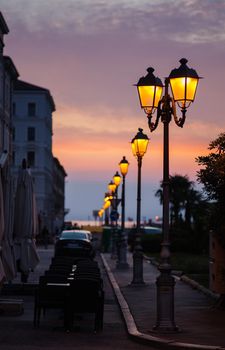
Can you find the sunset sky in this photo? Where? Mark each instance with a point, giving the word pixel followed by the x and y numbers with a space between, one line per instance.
pixel 89 53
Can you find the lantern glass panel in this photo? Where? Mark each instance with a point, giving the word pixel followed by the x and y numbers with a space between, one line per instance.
pixel 124 168
pixel 184 89
pixel 140 146
pixel 106 204
pixel 117 180
pixel 149 95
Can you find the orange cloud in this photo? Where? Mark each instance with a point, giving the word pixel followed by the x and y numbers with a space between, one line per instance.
pixel 91 145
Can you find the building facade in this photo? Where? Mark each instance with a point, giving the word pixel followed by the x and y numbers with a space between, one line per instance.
pixel 33 107
pixel 8 74
pixel 59 175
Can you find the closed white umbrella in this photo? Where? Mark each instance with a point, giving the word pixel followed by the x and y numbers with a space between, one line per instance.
pixel 25 224
pixel 2 272
pixel 8 258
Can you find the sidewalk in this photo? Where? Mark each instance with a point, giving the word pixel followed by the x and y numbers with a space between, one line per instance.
pixel 201 326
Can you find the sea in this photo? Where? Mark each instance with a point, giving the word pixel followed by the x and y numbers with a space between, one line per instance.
pixel 80 223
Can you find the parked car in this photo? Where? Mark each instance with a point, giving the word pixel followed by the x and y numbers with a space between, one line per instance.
pixel 74 243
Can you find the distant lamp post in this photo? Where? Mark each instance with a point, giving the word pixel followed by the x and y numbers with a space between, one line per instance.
pixel 124 170
pixel 111 187
pixel 107 197
pixel 106 205
pixel 122 255
pixel 139 146
pixel 117 179
pixel 183 82
pixel 100 214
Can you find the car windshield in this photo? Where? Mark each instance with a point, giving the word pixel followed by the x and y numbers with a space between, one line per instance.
pixel 73 235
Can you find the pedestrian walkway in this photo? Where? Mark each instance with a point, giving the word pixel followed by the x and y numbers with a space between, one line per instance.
pixel 201 326
pixel 17 332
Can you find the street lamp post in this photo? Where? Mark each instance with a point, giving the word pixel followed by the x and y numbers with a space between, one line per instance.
pixel 111 189
pixel 139 146
pixel 183 82
pixel 116 180
pixel 106 206
pixel 122 252
pixel 113 216
pixel 115 201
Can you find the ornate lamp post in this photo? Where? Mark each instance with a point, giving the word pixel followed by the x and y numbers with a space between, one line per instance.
pixel 116 180
pixel 139 146
pixel 112 187
pixel 122 254
pixel 106 205
pixel 183 82
pixel 124 170
pixel 115 203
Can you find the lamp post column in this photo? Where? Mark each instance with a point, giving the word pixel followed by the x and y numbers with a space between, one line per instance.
pixel 122 254
pixel 123 205
pixel 114 227
pixel 138 253
pixel 107 217
pixel 165 282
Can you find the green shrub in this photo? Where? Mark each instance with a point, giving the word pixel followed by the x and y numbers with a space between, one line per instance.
pixel 151 243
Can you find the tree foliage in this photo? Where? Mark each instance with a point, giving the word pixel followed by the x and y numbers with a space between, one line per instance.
pixel 182 197
pixel 212 176
pixel 189 213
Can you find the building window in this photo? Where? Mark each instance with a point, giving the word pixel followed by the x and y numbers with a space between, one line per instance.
pixel 31 134
pixel 14 108
pixel 31 109
pixel 31 159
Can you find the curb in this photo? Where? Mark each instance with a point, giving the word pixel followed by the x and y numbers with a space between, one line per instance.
pixel 185 279
pixel 132 328
pixel 198 286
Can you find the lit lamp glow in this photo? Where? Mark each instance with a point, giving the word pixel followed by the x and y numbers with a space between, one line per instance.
pixel 183 83
pixel 139 144
pixel 108 197
pixel 117 179
pixel 106 204
pixel 100 212
pixel 111 187
pixel 150 90
pixel 124 166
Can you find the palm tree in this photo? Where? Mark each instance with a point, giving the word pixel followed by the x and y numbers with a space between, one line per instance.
pixel 181 197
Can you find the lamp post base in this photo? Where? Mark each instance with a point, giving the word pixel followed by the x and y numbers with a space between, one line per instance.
pixel 165 303
pixel 137 267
